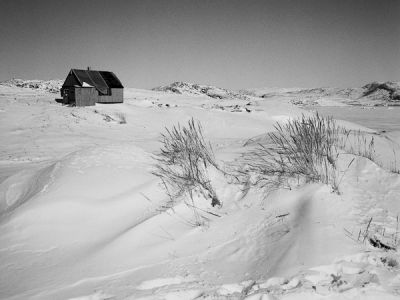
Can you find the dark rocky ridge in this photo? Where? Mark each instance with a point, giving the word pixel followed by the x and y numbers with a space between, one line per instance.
pixel 193 89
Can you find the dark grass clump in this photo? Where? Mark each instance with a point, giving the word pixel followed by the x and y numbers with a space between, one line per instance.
pixel 304 150
pixel 183 161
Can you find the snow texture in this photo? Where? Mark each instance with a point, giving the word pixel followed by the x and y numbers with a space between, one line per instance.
pixel 82 216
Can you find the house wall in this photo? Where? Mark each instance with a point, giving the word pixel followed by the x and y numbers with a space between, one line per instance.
pixel 117 96
pixel 85 96
pixel 69 86
pixel 68 94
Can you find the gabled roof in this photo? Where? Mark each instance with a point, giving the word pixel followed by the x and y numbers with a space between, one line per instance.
pixel 111 79
pixel 101 80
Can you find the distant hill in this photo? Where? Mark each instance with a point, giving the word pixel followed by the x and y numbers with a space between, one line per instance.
pixel 375 93
pixel 388 90
pixel 192 89
pixel 51 86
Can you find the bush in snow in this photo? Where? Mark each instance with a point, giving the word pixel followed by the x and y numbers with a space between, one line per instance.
pixel 304 149
pixel 183 161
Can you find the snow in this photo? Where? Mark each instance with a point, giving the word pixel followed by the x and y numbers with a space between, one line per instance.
pixel 158 282
pixel 96 296
pixel 85 84
pixel 191 89
pixel 371 94
pixel 228 289
pixel 52 86
pixel 82 217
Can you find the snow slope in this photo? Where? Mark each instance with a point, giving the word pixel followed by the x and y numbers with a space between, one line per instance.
pixel 81 216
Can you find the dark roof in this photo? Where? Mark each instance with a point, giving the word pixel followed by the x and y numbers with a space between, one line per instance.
pixel 111 79
pixel 101 80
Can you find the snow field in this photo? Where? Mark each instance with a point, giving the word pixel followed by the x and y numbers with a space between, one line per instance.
pixel 87 220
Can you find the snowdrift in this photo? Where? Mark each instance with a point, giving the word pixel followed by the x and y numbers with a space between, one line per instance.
pixel 86 201
pixel 19 188
pixel 98 221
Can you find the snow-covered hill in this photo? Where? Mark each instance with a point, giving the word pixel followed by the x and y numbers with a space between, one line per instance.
pixel 372 94
pixel 388 91
pixel 51 86
pixel 192 89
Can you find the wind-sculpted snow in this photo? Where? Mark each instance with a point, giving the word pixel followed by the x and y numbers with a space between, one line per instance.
pixel 51 86
pixel 61 208
pixel 23 186
pixel 84 218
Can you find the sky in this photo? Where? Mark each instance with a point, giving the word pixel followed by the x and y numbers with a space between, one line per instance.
pixel 231 44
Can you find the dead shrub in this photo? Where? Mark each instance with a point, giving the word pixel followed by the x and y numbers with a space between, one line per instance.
pixel 303 149
pixel 183 161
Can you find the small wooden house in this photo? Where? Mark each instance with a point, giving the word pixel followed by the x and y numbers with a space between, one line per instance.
pixel 88 87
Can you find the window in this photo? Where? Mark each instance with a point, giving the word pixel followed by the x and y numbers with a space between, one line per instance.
pixel 108 93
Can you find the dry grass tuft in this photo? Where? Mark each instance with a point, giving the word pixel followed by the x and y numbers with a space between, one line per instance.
pixel 183 161
pixel 304 150
pixel 358 143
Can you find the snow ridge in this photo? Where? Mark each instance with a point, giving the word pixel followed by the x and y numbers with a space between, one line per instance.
pixel 193 89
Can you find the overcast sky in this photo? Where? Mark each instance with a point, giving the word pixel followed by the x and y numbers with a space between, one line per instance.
pixel 232 44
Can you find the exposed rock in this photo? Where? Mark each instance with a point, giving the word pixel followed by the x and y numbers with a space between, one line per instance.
pixel 192 89
pixel 388 90
pixel 51 86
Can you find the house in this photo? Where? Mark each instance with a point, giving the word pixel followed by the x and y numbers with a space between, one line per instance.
pixel 88 87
